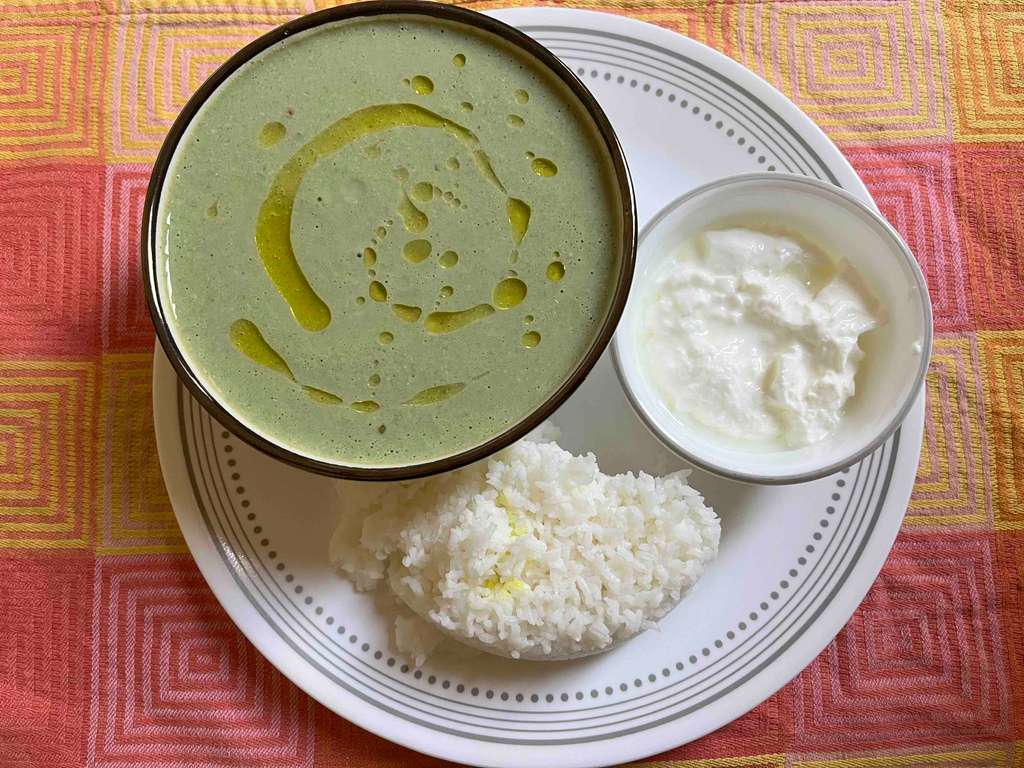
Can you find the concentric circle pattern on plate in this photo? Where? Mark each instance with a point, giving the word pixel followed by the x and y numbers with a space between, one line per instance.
pixel 794 561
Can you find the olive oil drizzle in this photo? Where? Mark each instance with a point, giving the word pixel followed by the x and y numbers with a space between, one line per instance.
pixel 274 221
pixel 247 339
pixel 311 312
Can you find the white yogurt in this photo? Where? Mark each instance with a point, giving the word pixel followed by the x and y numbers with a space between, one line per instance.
pixel 755 338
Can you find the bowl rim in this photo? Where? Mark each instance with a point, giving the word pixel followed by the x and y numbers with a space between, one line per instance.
pixel 427 8
pixel 862 208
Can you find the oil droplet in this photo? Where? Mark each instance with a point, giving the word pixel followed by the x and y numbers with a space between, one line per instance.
pixel 416 251
pixel 466 106
pixel 378 292
pixel 250 342
pixel 515 121
pixel 518 218
pixel 530 155
pixel 407 313
pixel 211 212
pixel 365 406
pixel 386 337
pixel 459 60
pixel 423 85
pixel 321 396
pixel 522 96
pixel 423 192
pixel 360 300
pixel 413 218
pixel 271 133
pixel 449 259
pixel 369 256
pixel 453 163
pixel 446 291
pixel 371 272
pixel 509 292
pixel 544 167
pixel 448 197
pixel 381 429
pixel 405 81
pixel 433 395
pixel 528 319
pixel 402 174
pixel 556 271
pixel 446 322
pixel 531 339
pixel 381 232
pixel 374 380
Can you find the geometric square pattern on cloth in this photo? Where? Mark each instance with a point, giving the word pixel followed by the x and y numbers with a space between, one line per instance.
pixel 157 63
pixel 920 662
pixel 864 70
pixel 954 476
pixel 68 10
pixel 47 444
pixel 1002 365
pixel 987 41
pixel 45 644
pixel 210 11
pixel 175 682
pixel 126 324
pixel 990 197
pixel 960 756
pixel 51 85
pixel 135 513
pixel 49 258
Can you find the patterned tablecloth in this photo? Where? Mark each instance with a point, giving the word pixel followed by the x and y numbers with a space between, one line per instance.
pixel 113 651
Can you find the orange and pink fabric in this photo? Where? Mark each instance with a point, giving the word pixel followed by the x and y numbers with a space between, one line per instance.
pixel 926 99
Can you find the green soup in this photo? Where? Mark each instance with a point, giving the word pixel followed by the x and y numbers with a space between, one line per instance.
pixel 386 240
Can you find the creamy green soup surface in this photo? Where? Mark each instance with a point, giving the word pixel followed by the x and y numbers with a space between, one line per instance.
pixel 384 241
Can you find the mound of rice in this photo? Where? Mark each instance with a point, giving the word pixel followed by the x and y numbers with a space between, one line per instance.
pixel 532 553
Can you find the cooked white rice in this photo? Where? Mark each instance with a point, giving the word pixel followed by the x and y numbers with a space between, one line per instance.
pixel 532 553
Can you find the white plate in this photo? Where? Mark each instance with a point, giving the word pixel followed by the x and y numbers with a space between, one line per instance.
pixel 794 562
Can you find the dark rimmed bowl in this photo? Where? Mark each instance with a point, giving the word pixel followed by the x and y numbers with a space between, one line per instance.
pixel 427 8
